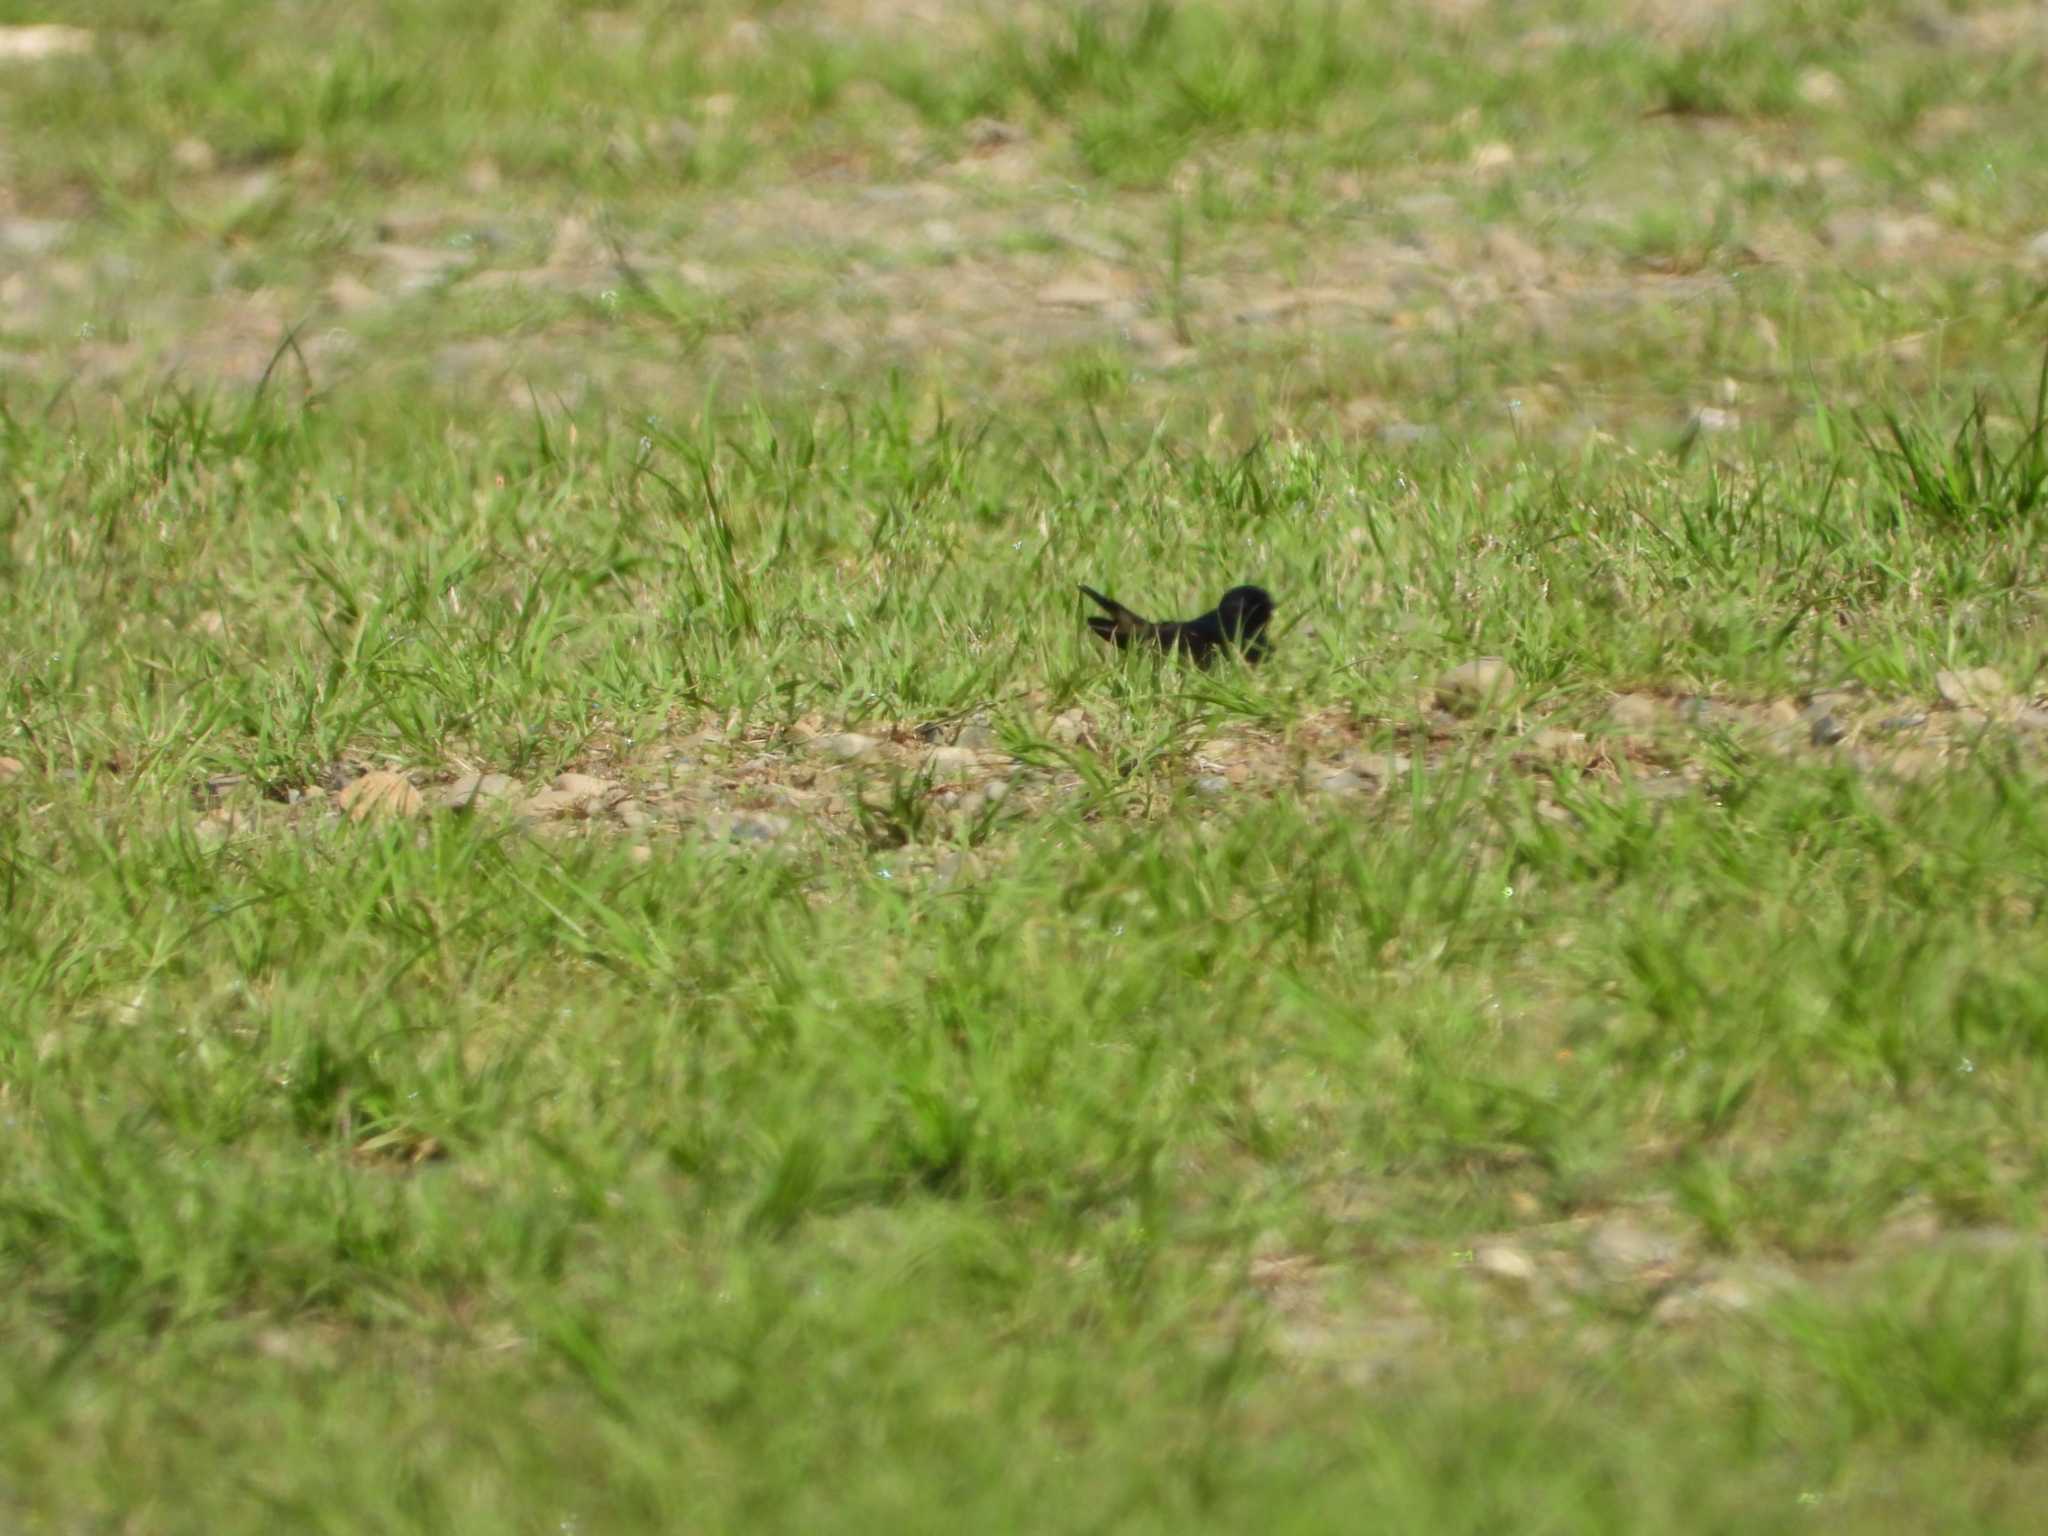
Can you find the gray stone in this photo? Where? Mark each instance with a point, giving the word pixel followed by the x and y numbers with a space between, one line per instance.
pixel 1700 711
pixel 1342 782
pixel 1475 685
pixel 842 746
pixel 1833 698
pixel 1821 88
pixel 217 826
pixel 1553 742
pixel 474 789
pixel 1367 774
pixel 32 237
pixel 1720 1294
pixel 977 801
pixel 585 786
pixel 1668 786
pixel 1072 726
pixel 381 795
pixel 1077 293
pixel 1618 1249
pixel 1635 711
pixel 1882 233
pixel 1387 767
pixel 43 40
pixel 752 827
pixel 1426 206
pixel 987 133
pixel 549 803
pixel 1972 688
pixel 220 785
pixel 416 269
pixel 951 761
pixel 1506 1265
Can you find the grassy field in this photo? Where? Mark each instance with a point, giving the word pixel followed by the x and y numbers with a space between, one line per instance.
pixel 590 945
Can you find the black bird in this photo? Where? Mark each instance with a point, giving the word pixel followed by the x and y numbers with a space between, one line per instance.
pixel 1239 620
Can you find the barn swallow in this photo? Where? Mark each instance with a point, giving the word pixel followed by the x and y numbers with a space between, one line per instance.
pixel 1239 620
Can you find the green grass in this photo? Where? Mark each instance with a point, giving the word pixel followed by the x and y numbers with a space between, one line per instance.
pixel 1105 1095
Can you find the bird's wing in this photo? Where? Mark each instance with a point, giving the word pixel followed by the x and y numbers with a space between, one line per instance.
pixel 1207 637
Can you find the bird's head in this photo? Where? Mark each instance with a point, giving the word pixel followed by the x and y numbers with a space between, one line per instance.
pixel 1245 610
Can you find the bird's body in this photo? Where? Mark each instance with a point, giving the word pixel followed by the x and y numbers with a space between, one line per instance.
pixel 1239 621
